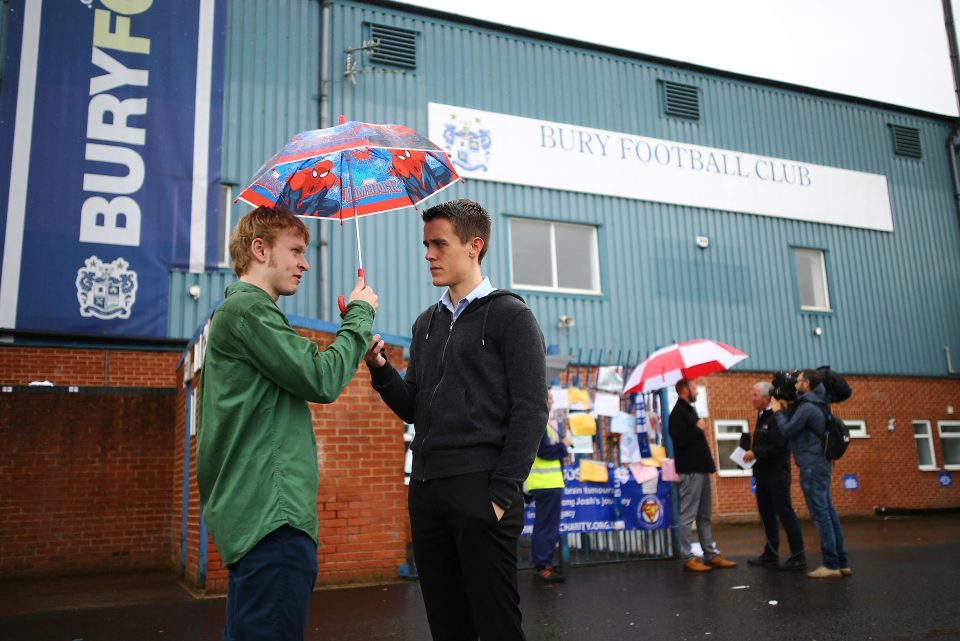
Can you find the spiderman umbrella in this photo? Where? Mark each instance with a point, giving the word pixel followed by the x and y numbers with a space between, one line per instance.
pixel 354 169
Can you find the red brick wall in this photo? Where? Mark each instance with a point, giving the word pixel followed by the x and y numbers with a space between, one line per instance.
pixel 361 503
pixel 885 463
pixel 96 367
pixel 83 482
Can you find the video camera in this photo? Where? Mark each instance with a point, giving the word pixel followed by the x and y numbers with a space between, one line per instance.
pixel 785 386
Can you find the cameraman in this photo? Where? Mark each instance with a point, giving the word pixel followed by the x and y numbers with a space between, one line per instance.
pixel 804 431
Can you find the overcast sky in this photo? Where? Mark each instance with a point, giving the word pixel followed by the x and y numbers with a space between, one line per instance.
pixel 894 51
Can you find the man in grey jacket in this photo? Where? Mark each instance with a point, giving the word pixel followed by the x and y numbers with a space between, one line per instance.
pixel 805 432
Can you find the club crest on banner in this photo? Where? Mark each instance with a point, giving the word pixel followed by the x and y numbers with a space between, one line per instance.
pixel 650 511
pixel 467 143
pixel 106 290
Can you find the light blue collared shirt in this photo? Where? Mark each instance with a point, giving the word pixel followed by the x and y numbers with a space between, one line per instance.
pixel 481 290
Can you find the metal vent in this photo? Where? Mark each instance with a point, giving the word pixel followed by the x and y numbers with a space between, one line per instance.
pixel 906 141
pixel 681 101
pixel 398 47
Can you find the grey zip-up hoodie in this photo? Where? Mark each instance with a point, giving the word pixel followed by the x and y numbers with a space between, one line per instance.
pixel 475 389
pixel 805 429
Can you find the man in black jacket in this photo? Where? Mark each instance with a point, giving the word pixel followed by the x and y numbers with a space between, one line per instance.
pixel 475 390
pixel 772 474
pixel 694 465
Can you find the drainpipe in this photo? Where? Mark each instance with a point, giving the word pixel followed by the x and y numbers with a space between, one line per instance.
pixel 322 259
pixel 953 142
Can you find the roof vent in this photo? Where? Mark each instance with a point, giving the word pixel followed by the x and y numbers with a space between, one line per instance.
pixel 681 101
pixel 906 141
pixel 398 47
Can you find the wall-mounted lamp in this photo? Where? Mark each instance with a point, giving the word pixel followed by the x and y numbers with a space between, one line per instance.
pixel 194 292
pixel 566 322
pixel 890 424
pixel 702 242
pixel 817 331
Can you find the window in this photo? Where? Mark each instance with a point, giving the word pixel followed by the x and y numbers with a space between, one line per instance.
pixel 812 280
pixel 858 429
pixel 728 439
pixel 925 456
pixel 950 444
pixel 559 257
pixel 224 229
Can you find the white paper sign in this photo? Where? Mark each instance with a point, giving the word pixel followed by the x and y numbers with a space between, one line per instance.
pixel 606 404
pixel 581 444
pixel 737 457
pixel 559 395
pixel 629 448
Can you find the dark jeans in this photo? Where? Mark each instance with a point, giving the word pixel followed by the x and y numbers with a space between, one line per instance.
pixel 546 526
pixel 269 588
pixel 466 559
pixel 773 502
pixel 815 483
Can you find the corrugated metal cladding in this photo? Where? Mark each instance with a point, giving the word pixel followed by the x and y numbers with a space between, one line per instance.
pixel 894 295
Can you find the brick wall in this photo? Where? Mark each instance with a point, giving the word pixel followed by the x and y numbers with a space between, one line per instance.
pixel 884 462
pixel 92 367
pixel 83 480
pixel 361 503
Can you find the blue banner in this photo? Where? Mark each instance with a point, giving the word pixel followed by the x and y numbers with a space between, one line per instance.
pixel 619 504
pixel 110 151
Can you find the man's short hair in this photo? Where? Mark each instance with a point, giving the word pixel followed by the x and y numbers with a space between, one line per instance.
pixel 262 222
pixel 467 218
pixel 813 376
pixel 681 385
pixel 765 388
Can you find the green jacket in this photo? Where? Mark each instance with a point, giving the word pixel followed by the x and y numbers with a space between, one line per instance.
pixel 256 450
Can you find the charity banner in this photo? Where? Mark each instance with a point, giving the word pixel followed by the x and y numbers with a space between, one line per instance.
pixel 501 147
pixel 619 504
pixel 110 157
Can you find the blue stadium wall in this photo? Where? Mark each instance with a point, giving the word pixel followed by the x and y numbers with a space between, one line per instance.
pixel 895 297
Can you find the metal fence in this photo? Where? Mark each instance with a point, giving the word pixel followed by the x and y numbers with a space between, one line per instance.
pixel 613 546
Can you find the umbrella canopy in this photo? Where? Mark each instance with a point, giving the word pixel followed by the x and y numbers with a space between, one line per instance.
pixel 353 168
pixel 692 359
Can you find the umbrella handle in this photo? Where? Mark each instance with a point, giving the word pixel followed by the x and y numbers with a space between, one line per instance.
pixel 341 302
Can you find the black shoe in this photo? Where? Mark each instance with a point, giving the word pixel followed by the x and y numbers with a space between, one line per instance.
pixel 549 575
pixel 793 564
pixel 762 561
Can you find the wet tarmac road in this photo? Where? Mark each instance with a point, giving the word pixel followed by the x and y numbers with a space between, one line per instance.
pixel 896 593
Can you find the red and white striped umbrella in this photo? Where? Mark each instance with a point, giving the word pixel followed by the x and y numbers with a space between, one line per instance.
pixel 692 359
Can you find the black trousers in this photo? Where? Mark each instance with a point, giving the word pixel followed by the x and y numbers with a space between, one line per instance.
pixel 773 502
pixel 466 559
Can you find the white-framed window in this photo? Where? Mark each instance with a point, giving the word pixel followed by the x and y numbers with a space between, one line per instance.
pixel 812 279
pixel 727 432
pixel 926 457
pixel 223 228
pixel 950 443
pixel 554 257
pixel 858 428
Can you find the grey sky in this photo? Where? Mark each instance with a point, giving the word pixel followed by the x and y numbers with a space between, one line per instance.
pixel 894 51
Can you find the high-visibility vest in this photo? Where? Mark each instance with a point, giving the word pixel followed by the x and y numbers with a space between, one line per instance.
pixel 544 474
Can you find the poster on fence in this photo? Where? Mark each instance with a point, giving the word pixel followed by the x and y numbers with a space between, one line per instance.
pixel 619 504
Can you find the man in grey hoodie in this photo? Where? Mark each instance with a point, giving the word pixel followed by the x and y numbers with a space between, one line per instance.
pixel 805 433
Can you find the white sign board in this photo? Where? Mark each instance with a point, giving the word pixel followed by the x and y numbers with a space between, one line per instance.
pixel 525 151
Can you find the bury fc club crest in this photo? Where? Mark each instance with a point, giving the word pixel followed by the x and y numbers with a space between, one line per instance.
pixel 106 290
pixel 467 143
